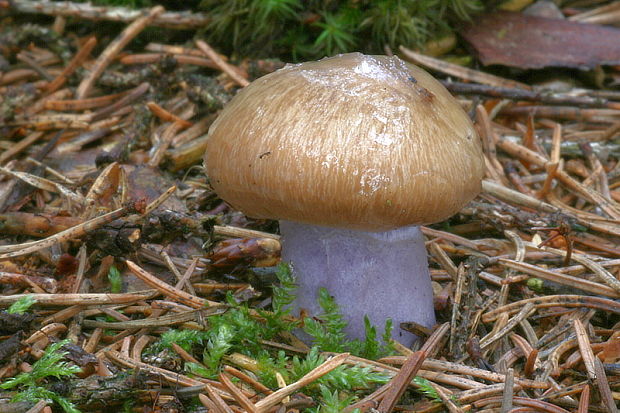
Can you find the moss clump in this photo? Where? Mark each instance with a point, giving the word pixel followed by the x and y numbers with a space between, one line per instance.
pixel 312 29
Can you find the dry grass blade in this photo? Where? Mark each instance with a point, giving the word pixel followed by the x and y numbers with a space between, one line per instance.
pixel 534 405
pixel 584 400
pixel 163 321
pixel 469 396
pixel 446 366
pixel 46 331
pixel 448 236
pixel 530 353
pixel 169 133
pixel 167 289
pixel 160 200
pixel 514 197
pixel 524 313
pixel 584 347
pixel 555 300
pixel 114 48
pixel 247 379
pixel 462 369
pixel 446 398
pixel 400 382
pixel 15 250
pixel 209 404
pixel 127 98
pixel 369 402
pixel 508 392
pixel 95 299
pixel 607 397
pixel 224 67
pixel 56 121
pixel 593 366
pixel 444 260
pixel 460 283
pixel 600 15
pixel 170 376
pixel 460 71
pixel 45 185
pixel 39 407
pixel 431 345
pixel 220 404
pixel 523 153
pixel 102 183
pixel 76 62
pixel 174 20
pixel 236 232
pixel 237 394
pixel 601 272
pixel 20 146
pixel 585 285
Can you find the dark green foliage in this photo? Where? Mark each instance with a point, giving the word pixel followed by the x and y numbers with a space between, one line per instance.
pixel 239 331
pixel 246 24
pixel 332 402
pixel 36 393
pixel 343 377
pixel 371 348
pixel 186 339
pixel 313 29
pixel 284 292
pixel 236 330
pixel 220 343
pixel 327 330
pixel 349 381
pixel 337 31
pixel 426 389
pixel 50 365
pixel 397 22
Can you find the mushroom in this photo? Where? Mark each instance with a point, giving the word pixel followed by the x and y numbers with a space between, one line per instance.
pixel 351 153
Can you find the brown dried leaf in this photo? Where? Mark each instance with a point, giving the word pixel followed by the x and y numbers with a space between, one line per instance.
pixel 530 42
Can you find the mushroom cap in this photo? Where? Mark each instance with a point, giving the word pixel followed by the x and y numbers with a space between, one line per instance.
pixel 350 141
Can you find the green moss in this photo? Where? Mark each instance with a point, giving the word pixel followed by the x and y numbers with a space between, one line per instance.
pixel 239 331
pixel 31 383
pixel 311 29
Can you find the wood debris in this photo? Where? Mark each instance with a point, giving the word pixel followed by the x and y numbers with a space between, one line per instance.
pixel 110 227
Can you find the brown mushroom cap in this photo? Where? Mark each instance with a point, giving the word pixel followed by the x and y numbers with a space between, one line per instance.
pixel 355 141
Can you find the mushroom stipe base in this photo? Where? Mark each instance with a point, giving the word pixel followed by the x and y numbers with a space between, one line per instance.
pixel 379 274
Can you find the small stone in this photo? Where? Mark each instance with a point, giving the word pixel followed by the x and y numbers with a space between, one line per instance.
pixel 544 8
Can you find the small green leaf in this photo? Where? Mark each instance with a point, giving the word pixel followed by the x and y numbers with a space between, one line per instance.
pixel 116 280
pixel 22 305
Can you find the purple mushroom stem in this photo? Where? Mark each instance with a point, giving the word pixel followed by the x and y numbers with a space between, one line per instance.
pixel 376 274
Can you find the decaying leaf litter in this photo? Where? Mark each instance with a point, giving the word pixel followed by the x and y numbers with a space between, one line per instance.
pixel 116 239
